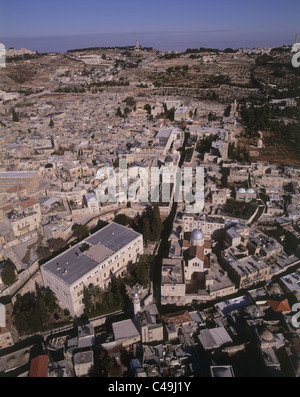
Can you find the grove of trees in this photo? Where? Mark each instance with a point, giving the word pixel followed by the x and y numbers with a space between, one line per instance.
pixel 33 311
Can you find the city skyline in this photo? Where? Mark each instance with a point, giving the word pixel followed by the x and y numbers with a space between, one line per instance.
pixel 59 26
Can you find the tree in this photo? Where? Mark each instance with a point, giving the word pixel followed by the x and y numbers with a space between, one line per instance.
pixel 56 244
pixel 15 117
pixel 147 107
pixel 80 231
pixel 130 101
pixel 156 224
pixel 122 219
pixel 43 252
pixel 141 273
pixel 108 365
pixel 119 112
pixel 127 110
pixel 34 310
pixel 101 224
pixel 51 124
pixel 8 274
pixel 146 230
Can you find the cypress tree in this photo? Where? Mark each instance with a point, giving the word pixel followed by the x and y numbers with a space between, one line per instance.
pixel 156 225
pixel 15 117
pixel 146 230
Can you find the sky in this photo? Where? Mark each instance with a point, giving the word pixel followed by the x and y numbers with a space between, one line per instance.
pixel 59 25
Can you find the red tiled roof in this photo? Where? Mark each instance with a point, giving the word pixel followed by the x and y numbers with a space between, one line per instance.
pixel 28 203
pixel 179 317
pixel 280 306
pixel 39 367
pixel 15 188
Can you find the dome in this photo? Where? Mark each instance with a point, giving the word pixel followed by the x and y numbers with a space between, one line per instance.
pixel 250 191
pixel 197 235
pixel 241 190
pixel 266 335
pixel 168 159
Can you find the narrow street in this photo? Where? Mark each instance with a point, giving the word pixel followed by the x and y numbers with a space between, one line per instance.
pixel 164 246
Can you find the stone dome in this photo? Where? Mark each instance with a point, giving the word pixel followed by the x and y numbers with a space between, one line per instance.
pixel 197 235
pixel 250 190
pixel 266 335
pixel 241 190
pixel 168 159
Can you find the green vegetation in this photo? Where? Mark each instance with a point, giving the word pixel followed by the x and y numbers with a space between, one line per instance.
pixel 113 83
pixel 105 366
pixel 98 301
pixel 130 102
pixel 201 49
pixel 33 311
pixel 204 144
pixel 149 224
pixel 141 272
pixel 8 274
pixel 100 225
pixel 147 107
pixel 235 207
pixel 122 219
pixel 80 231
pixel 120 63
pixel 15 117
pixel 264 118
pixel 238 153
pixel 73 90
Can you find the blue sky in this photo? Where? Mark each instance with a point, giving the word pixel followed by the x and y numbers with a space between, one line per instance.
pixel 168 24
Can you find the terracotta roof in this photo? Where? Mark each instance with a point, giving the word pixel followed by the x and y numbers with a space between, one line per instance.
pixel 197 251
pixel 15 188
pixel 7 208
pixel 177 318
pixel 280 306
pixel 39 367
pixel 28 203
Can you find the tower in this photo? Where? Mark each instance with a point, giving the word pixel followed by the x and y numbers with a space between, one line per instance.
pixel 136 303
pixel 296 39
pixel 134 294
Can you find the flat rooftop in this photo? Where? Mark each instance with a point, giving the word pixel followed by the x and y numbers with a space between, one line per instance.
pixel 113 236
pixel 172 271
pixel 292 281
pixel 125 329
pixel 214 338
pixel 89 253
pixel 247 265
